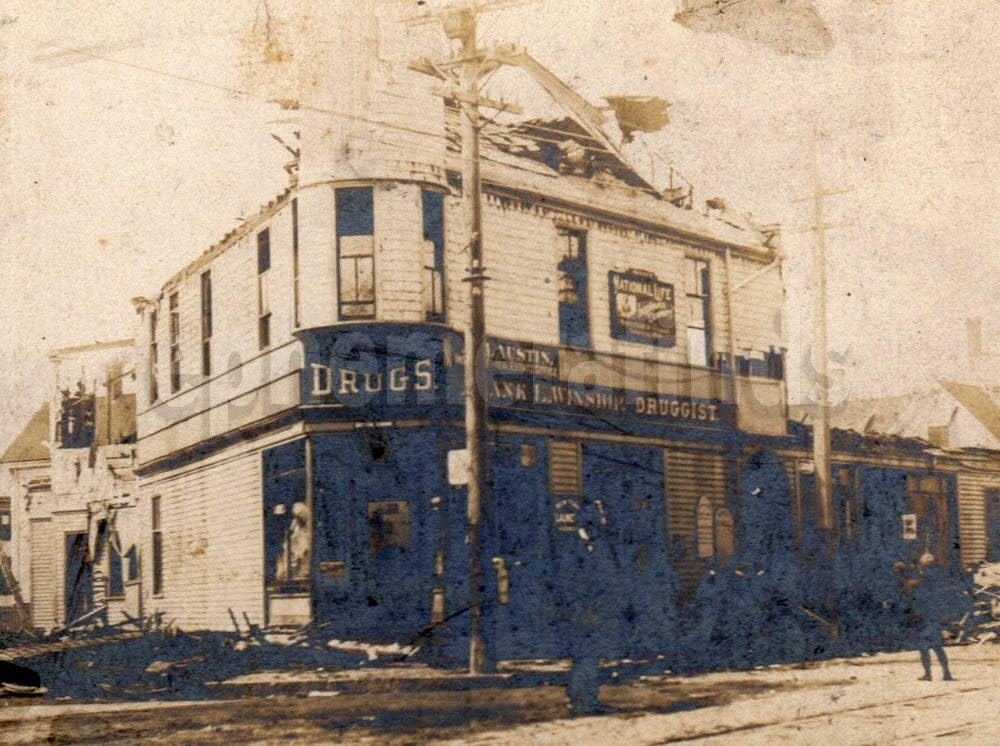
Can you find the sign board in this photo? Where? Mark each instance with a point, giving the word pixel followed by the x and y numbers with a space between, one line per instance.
pixel 458 467
pixel 642 308
pixel 539 361
pixel 909 526
pixel 575 399
pixel 382 371
pixel 564 514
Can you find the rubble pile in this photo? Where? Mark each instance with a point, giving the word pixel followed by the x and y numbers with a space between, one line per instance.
pixel 983 623
pixel 167 663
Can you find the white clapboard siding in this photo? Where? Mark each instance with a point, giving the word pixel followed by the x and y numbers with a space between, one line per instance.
pixel 972 514
pixel 757 322
pixel 687 478
pixel 212 544
pixel 521 249
pixel 456 263
pixel 398 270
pixel 43 575
pixel 519 256
pixel 317 257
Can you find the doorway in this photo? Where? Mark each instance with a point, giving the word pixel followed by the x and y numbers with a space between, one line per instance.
pixel 79 586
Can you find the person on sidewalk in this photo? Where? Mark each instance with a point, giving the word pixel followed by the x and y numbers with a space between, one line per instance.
pixel 930 614
pixel 585 570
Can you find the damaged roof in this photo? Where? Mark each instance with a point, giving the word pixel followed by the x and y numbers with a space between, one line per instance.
pixel 560 147
pixel 565 147
pixel 912 414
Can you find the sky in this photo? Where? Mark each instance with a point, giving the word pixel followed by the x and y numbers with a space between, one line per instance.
pixel 127 158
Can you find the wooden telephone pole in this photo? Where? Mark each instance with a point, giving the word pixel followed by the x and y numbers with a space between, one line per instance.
pixel 821 416
pixel 464 74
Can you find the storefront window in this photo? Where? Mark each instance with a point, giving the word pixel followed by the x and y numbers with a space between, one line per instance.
pixel 388 525
pixel 296 551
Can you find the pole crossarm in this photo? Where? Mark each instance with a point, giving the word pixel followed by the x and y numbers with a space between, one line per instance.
pixel 823 193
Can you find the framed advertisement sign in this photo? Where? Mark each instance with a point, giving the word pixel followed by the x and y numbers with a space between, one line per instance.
pixel 642 308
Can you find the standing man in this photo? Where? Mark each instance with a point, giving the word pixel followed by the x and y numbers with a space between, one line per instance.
pixel 586 569
pixel 931 613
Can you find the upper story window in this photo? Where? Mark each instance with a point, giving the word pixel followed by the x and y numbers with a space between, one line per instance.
pixel 154 389
pixel 175 342
pixel 432 259
pixel 5 512
pixel 263 296
pixel 206 323
pixel 699 335
pixel 355 252
pixel 572 288
pixel 77 417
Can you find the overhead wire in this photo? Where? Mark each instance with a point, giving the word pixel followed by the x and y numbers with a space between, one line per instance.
pixel 504 128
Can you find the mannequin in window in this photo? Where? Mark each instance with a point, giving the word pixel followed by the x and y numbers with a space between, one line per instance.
pixel 293 562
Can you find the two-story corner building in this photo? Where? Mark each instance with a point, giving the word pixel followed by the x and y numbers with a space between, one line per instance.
pixel 73 494
pixel 300 384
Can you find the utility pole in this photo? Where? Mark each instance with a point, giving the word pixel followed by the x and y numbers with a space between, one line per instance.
pixel 821 422
pixel 464 74
pixel 475 398
pixel 821 411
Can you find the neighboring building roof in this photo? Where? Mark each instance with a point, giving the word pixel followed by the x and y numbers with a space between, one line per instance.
pixel 978 402
pixel 30 444
pixel 912 414
pixel 887 415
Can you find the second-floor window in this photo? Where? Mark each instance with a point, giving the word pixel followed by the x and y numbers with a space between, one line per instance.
pixel 263 299
pixel 175 343
pixel 355 252
pixel 699 299
pixel 572 288
pixel 154 389
pixel 432 259
pixel 5 512
pixel 206 323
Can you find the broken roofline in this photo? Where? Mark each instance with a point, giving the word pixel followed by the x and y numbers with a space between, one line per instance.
pixel 632 215
pixel 589 121
pixel 90 347
pixel 652 218
pixel 623 206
